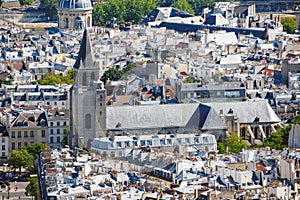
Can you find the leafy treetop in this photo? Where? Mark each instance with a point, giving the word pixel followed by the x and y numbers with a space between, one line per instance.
pixel 53 79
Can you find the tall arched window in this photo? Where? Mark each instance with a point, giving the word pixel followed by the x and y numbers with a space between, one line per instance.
pixel 93 76
pixel 88 121
pixel 84 79
pixel 88 24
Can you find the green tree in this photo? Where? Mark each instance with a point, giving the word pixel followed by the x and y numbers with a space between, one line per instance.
pixel 221 148
pixel 289 24
pixel 66 136
pixel 32 188
pixel 50 8
pixel 124 11
pixel 35 149
pixel 53 79
pixel 279 138
pixel 184 6
pixel 235 143
pixel 25 2
pixel 112 74
pixel 115 74
pixel 21 158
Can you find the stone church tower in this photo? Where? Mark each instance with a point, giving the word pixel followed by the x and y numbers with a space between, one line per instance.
pixel 88 109
pixel 74 14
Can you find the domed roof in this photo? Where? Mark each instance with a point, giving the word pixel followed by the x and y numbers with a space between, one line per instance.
pixel 74 4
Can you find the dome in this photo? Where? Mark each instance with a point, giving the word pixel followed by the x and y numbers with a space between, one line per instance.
pixel 74 4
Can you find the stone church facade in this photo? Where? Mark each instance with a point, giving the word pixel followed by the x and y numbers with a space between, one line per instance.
pixel 74 14
pixel 88 98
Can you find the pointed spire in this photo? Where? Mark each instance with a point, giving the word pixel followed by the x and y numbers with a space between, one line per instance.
pixel 86 52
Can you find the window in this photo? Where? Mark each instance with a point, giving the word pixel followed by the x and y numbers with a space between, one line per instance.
pixel 63 103
pixel 187 140
pixel 58 124
pixel 149 142
pixel 31 134
pixel 43 133
pixel 13 145
pixel 92 76
pixel 88 123
pixel 134 143
pixel 25 134
pixel 119 144
pixel 13 134
pixel 3 140
pixel 51 140
pixel 58 139
pixel 19 134
pixel 58 131
pixel 3 154
pixel 3 147
pixel 127 144
pixel 65 123
pixel 84 79
pixel 51 131
pixel 25 144
pixel 51 123
pixel 19 144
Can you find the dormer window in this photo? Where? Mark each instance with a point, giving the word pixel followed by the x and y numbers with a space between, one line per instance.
pixel 43 122
pixel 25 123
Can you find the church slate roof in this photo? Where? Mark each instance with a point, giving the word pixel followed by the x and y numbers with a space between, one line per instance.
pixel 193 116
pixel 85 55
pixel 248 111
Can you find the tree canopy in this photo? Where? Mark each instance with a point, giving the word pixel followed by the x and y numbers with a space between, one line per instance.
pixel 66 136
pixel 235 143
pixel 50 8
pixel 36 148
pixel 25 2
pixel 32 188
pixel 289 24
pixel 115 74
pixel 124 11
pixel 53 79
pixel 21 158
pixel 183 5
pixel 279 139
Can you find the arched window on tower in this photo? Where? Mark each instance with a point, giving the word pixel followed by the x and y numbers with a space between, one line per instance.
pixel 84 79
pixel 88 121
pixel 93 76
pixel 88 22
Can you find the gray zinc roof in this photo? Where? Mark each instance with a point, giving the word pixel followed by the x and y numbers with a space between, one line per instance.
pixel 160 116
pixel 248 111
